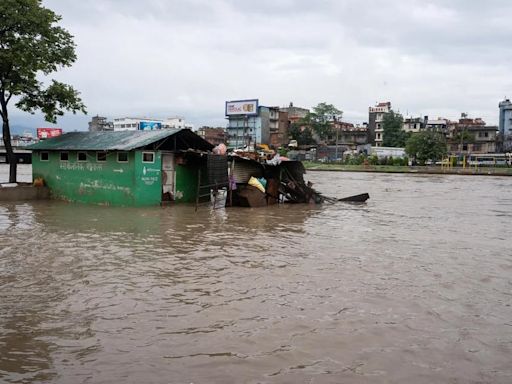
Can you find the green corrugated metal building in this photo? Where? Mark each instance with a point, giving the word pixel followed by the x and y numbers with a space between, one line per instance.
pixel 126 168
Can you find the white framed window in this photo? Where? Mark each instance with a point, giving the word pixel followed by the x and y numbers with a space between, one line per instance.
pixel 101 157
pixel 81 156
pixel 148 157
pixel 122 157
pixel 44 156
pixel 64 156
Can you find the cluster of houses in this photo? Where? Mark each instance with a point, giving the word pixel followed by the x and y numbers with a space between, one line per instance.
pixel 250 124
pixel 466 135
pixel 271 125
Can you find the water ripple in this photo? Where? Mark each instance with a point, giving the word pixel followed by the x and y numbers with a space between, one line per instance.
pixel 419 277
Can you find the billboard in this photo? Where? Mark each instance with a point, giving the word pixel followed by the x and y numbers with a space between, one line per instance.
pixel 149 125
pixel 242 107
pixel 47 133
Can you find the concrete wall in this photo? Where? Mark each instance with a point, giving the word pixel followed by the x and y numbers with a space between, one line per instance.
pixel 109 182
pixel 23 193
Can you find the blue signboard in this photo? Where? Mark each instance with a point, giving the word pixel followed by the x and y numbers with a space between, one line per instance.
pixel 149 125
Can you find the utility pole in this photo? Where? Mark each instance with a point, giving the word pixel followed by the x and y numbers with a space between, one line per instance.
pixel 246 136
pixel 337 131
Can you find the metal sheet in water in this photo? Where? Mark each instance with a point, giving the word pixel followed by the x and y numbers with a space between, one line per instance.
pixel 412 287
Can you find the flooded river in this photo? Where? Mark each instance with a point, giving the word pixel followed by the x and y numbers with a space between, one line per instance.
pixel 413 287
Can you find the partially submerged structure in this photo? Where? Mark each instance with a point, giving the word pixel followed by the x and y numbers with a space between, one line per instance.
pixel 256 182
pixel 128 168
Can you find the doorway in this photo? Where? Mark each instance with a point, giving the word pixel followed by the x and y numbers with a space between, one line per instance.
pixel 168 177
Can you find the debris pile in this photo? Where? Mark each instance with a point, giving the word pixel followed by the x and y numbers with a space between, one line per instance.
pixel 257 181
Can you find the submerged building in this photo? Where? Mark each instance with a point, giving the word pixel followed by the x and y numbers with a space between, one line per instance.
pixel 126 168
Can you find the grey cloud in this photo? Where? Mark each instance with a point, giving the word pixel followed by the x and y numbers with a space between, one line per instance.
pixel 159 57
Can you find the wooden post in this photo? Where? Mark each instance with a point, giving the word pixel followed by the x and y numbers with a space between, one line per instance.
pixel 198 187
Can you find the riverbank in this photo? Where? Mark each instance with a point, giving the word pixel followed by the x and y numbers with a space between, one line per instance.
pixel 483 171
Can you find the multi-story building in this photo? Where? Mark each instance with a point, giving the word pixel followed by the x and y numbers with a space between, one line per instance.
pixel 248 124
pixel 100 123
pixel 278 125
pixel 295 113
pixel 137 124
pixel 375 122
pixel 352 136
pixel 439 125
pixel 505 125
pixel 472 136
pixel 214 136
pixel 414 124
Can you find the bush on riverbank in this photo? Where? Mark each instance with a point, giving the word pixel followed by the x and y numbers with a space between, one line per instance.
pixel 374 160
pixel 433 169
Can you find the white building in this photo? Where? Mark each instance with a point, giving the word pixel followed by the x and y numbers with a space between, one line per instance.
pixel 176 122
pixel 136 124
pixel 381 152
pixel 144 123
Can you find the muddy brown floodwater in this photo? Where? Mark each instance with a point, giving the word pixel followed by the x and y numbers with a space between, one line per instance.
pixel 413 287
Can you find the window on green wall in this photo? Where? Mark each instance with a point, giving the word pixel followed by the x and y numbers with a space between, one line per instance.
pixel 81 156
pixel 101 156
pixel 122 157
pixel 148 157
pixel 44 156
pixel 64 156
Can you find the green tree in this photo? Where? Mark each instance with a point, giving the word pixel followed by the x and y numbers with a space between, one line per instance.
pixel 394 135
pixel 320 120
pixel 301 133
pixel 426 145
pixel 326 113
pixel 31 45
pixel 323 116
pixel 464 137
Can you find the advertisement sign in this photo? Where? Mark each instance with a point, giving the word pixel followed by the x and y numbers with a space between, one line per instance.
pixel 242 107
pixel 47 133
pixel 150 125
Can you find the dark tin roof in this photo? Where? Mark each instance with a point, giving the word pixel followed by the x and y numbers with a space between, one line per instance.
pixel 121 140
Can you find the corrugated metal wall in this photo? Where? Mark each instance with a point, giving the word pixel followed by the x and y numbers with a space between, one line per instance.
pixel 243 170
pixel 217 170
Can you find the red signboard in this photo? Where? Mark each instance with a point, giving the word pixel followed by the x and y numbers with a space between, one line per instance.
pixel 46 133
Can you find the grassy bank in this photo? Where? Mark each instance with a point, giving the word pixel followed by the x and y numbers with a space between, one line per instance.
pixel 499 171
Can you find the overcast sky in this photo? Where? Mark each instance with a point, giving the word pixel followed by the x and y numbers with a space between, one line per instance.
pixel 161 58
